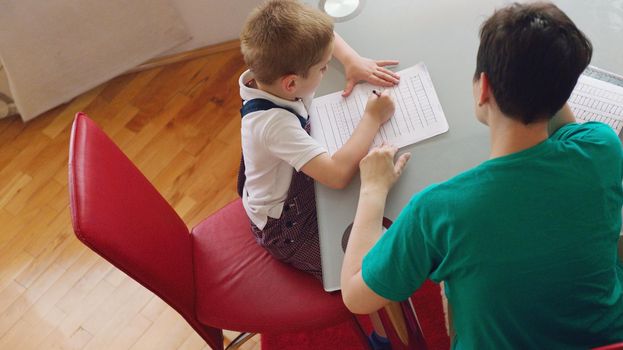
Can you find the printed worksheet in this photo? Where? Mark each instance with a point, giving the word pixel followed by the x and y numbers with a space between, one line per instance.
pixel 418 113
pixel 598 96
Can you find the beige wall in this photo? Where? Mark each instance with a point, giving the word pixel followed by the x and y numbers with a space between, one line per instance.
pixel 208 21
pixel 212 21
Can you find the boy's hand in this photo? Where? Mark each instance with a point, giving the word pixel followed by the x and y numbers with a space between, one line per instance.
pixel 378 170
pixel 364 69
pixel 380 108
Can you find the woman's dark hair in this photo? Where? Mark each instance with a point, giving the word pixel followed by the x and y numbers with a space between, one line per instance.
pixel 533 55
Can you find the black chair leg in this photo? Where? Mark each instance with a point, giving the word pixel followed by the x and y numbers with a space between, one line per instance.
pixel 240 339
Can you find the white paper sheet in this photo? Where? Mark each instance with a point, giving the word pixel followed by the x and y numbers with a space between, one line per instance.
pixel 598 100
pixel 418 113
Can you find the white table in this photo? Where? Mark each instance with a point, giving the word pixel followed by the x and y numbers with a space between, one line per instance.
pixel 444 35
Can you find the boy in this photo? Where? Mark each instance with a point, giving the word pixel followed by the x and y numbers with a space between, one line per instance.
pixel 287 47
pixel 526 242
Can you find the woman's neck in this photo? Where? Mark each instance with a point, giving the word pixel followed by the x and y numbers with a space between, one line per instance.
pixel 510 136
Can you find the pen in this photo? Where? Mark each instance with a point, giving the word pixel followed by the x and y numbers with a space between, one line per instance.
pixel 376 93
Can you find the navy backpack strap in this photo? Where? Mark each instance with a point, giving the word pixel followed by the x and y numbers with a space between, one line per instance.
pixel 260 104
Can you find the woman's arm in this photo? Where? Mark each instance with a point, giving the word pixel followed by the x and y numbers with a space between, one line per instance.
pixel 378 174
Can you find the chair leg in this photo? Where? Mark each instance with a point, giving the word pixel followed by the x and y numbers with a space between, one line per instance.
pixel 360 332
pixel 240 339
pixel 403 329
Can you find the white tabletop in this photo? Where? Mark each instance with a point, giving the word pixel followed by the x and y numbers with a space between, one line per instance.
pixel 444 35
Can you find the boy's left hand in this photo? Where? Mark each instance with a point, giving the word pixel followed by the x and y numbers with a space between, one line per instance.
pixel 374 72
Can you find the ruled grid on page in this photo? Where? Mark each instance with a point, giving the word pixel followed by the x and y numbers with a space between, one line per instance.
pixel 598 96
pixel 418 113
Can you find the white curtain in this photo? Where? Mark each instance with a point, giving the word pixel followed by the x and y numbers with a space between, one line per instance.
pixel 7 105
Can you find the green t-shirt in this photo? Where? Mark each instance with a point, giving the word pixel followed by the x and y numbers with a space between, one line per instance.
pixel 526 245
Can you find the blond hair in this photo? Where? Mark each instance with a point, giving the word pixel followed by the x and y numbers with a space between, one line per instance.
pixel 283 37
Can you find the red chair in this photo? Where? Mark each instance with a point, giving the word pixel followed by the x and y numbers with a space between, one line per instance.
pixel 617 346
pixel 216 276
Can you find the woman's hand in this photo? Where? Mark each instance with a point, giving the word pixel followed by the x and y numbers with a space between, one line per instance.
pixel 378 170
pixel 359 68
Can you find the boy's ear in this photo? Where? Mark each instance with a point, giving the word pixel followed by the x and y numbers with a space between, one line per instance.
pixel 288 83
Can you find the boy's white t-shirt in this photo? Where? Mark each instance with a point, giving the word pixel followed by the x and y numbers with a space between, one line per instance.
pixel 274 144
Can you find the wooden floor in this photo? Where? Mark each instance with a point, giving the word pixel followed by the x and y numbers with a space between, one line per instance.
pixel 180 124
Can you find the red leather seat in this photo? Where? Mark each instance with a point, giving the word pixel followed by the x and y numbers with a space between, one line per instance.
pixel 617 346
pixel 216 277
pixel 236 277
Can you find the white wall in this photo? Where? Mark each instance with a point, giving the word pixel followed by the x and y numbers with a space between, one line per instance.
pixel 212 21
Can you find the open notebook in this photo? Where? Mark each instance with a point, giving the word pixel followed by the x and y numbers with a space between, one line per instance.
pixel 598 96
pixel 418 113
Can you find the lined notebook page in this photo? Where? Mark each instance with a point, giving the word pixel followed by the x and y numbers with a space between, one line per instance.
pixel 598 96
pixel 418 113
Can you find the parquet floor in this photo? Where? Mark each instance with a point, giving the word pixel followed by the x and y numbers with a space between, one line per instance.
pixel 180 125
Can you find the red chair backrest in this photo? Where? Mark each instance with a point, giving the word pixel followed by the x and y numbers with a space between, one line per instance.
pixel 118 213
